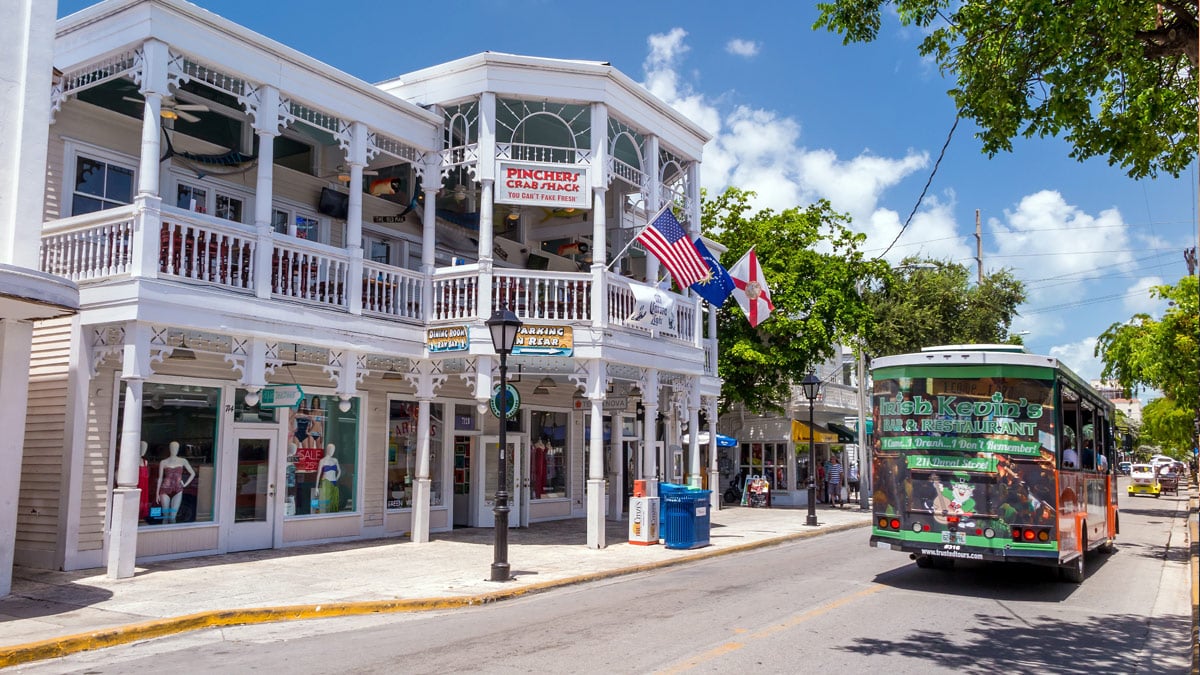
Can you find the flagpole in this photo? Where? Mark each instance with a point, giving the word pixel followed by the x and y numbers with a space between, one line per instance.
pixel 634 237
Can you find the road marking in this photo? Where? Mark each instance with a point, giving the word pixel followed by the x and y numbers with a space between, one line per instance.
pixel 734 645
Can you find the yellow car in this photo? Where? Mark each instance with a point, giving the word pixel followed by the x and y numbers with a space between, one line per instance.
pixel 1143 480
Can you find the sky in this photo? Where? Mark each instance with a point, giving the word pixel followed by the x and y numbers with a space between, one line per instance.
pixel 797 116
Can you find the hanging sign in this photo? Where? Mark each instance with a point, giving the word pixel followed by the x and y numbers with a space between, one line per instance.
pixel 513 401
pixel 554 185
pixel 281 396
pixel 540 340
pixel 446 339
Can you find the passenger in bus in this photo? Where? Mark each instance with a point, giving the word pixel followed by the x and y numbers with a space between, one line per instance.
pixel 1070 458
pixel 1089 454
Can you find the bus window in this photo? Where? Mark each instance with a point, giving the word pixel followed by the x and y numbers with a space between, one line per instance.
pixel 1069 453
pixel 1087 448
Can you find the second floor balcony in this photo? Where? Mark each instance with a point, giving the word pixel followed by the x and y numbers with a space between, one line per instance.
pixel 133 242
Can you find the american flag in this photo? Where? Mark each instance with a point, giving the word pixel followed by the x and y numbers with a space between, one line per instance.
pixel 665 238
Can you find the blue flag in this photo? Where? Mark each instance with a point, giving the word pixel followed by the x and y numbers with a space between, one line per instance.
pixel 717 285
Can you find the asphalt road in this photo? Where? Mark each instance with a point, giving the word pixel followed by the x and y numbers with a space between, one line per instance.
pixel 830 604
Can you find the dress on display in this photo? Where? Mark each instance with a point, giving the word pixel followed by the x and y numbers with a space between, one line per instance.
pixel 144 488
pixel 328 494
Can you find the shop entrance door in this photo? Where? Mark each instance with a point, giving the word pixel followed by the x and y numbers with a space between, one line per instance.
pixel 487 479
pixel 253 495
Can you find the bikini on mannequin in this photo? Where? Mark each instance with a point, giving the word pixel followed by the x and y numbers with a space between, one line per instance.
pixel 171 482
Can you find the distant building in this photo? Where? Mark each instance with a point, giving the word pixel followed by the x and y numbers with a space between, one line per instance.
pixel 1131 407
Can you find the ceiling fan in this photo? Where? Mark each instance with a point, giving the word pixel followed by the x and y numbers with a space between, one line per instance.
pixel 172 109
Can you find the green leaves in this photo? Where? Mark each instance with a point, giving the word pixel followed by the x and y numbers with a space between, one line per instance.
pixel 812 264
pixel 923 303
pixel 1115 78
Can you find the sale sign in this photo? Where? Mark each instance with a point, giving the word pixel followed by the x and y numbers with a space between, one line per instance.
pixel 551 185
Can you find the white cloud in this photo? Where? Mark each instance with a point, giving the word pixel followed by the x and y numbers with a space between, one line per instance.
pixel 1138 299
pixel 1059 251
pixel 761 150
pixel 1080 357
pixel 740 47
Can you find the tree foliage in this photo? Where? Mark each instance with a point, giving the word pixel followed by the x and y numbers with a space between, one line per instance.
pixel 1161 354
pixel 1116 79
pixel 922 303
pixel 1169 426
pixel 812 264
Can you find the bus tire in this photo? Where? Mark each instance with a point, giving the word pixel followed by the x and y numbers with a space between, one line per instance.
pixel 1076 571
pixel 931 562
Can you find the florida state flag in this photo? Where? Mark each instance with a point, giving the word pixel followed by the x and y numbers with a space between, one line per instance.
pixel 750 288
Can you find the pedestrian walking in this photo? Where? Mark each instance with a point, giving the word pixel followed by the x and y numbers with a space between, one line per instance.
pixel 852 481
pixel 822 489
pixel 835 482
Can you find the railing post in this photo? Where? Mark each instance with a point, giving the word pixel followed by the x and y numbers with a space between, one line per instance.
pixel 147 224
pixel 354 280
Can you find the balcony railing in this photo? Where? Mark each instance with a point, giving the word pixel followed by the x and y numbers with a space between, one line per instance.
pixel 92 246
pixel 204 250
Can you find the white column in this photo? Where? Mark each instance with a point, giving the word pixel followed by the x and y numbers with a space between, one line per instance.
pixel 266 126
pixel 485 251
pixel 616 477
pixel 599 259
pixel 27 52
pixel 154 87
pixel 357 159
pixel 650 432
pixel 599 181
pixel 421 494
pixel 693 412
pixel 653 198
pixel 126 501
pixel 15 337
pixel 595 482
pixel 714 474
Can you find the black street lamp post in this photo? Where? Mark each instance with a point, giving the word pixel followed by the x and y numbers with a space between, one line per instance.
pixel 504 325
pixel 812 386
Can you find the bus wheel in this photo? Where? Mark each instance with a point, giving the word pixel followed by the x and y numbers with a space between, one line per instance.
pixel 1076 570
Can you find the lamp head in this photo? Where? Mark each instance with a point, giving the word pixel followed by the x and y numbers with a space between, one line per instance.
pixel 504 326
pixel 811 385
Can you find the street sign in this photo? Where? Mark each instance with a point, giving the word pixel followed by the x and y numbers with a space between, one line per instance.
pixel 281 396
pixel 512 399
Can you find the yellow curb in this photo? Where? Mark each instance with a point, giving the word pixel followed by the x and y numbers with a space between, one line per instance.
pixel 82 642
pixel 1194 557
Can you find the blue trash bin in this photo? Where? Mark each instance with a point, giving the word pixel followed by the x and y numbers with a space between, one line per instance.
pixel 686 519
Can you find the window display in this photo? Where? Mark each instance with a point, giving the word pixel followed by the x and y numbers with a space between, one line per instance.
pixel 402 453
pixel 177 472
pixel 547 455
pixel 322 457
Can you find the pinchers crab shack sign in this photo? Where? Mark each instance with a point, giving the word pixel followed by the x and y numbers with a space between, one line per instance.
pixel 556 186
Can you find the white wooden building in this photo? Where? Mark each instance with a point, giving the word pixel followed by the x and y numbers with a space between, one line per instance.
pixel 252 228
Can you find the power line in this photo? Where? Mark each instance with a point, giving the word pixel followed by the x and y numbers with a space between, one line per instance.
pixel 924 189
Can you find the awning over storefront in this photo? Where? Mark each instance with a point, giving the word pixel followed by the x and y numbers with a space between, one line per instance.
pixel 844 433
pixel 723 441
pixel 801 432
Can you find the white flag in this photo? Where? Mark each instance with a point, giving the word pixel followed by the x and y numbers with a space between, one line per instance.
pixel 654 309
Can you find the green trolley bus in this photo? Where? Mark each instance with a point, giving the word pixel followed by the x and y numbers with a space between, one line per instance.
pixel 985 452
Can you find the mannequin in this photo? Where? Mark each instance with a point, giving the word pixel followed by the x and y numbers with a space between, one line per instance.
pixel 328 472
pixel 144 484
pixel 171 482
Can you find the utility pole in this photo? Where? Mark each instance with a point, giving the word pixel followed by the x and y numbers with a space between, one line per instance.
pixel 978 247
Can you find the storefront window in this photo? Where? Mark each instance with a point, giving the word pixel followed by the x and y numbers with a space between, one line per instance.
pixel 403 453
pixel 178 466
pixel 247 413
pixel 548 456
pixel 322 461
